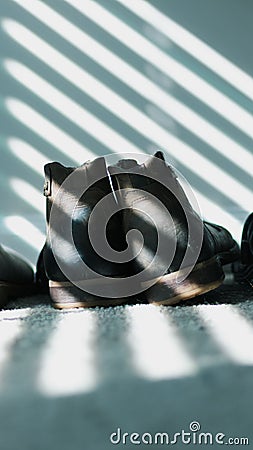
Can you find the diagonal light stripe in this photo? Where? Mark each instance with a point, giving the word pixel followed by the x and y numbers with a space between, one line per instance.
pixel 28 193
pixel 158 352
pixel 135 79
pixel 201 51
pixel 134 118
pixel 178 72
pixel 232 332
pixel 213 213
pixel 26 231
pixel 13 314
pixel 68 107
pixel 48 131
pixel 68 363
pixel 28 154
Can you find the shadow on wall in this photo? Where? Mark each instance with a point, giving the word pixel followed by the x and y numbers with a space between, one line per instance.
pixel 83 79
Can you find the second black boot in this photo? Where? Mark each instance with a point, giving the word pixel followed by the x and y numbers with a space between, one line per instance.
pixel 176 254
pixel 244 269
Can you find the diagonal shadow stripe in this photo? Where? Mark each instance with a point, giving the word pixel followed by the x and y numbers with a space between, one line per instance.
pixel 190 43
pixel 181 75
pixel 19 374
pixel 185 116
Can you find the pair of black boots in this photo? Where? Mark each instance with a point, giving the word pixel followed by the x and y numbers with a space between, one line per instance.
pixel 125 233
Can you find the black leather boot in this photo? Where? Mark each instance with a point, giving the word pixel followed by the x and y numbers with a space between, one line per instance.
pixel 244 269
pixel 77 207
pixel 16 276
pixel 191 253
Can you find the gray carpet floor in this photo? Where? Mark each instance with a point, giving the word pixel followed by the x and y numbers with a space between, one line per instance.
pixel 70 379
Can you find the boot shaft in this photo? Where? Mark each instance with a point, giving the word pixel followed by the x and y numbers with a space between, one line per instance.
pixel 155 204
pixel 73 194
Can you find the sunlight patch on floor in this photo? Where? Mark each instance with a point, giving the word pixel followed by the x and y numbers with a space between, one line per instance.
pixel 68 362
pixel 157 349
pixel 230 330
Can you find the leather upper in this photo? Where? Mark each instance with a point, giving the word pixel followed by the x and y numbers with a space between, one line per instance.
pixel 137 182
pixel 136 187
pixel 92 179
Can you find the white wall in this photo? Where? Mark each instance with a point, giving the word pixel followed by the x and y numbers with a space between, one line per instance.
pixel 83 78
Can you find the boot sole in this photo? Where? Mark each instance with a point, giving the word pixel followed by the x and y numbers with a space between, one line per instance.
pixel 65 295
pixel 205 277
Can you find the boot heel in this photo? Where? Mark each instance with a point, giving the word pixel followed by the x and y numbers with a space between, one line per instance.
pixel 205 277
pixel 65 295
